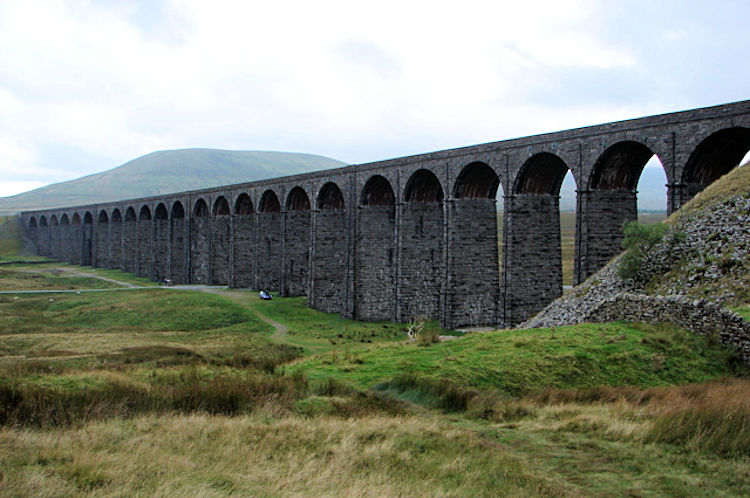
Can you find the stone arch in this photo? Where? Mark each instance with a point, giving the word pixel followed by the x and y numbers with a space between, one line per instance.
pixel 55 237
pixel 200 243
pixel 32 222
pixel 330 254
pixel 715 156
pixel 375 246
pixel 532 273
pixel 296 243
pixel 330 197
pixel 64 219
pixel 130 241
pixel 43 221
pixel 473 289
pixel 161 212
pixel 160 243
pixel 542 173
pixel 88 219
pixel 476 181
pixel 115 240
pixel 177 244
pixel 377 192
pixel 423 186
pixel 268 248
pixel 144 242
pixel 76 219
pixel 101 240
pixel 87 248
pixel 269 202
pixel 422 245
pixel 298 200
pixel 619 167
pixel 177 211
pixel 221 207
pixel 609 201
pixel 244 241
pixel 221 228
pixel 200 209
pixel 243 205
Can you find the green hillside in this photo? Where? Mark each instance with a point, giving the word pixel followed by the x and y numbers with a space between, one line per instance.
pixel 168 171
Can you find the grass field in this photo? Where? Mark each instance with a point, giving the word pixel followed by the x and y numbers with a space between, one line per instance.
pixel 162 391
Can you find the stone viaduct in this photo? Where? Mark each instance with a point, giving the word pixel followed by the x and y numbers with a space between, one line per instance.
pixel 410 236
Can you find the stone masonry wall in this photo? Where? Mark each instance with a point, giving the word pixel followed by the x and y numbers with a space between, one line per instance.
pixel 144 249
pixel 101 234
pixel 375 272
pixel 268 250
pixel 87 256
pixel 533 263
pixel 200 257
pixel 244 250
pixel 161 248
pixel 129 246
pixel 329 262
pixel 600 232
pixel 697 315
pixel 472 293
pixel 220 249
pixel 296 253
pixel 115 245
pixel 420 286
pixel 177 255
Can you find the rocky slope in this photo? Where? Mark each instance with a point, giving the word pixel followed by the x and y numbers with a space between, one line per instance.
pixel 704 258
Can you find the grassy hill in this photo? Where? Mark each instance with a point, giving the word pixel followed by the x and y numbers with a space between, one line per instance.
pixel 168 171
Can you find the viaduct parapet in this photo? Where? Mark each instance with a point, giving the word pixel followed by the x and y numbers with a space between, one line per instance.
pixel 412 236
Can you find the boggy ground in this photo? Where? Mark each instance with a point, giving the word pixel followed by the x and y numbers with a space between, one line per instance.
pixel 174 392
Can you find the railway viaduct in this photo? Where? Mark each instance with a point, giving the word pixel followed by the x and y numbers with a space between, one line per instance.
pixel 410 236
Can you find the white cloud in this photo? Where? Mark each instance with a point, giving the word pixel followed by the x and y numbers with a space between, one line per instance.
pixel 90 84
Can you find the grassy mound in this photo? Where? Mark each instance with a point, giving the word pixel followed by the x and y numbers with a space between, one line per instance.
pixel 517 362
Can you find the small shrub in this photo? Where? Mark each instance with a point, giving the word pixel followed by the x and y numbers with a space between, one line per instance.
pixel 638 241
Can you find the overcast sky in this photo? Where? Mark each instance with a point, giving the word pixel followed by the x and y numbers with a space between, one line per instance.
pixel 86 85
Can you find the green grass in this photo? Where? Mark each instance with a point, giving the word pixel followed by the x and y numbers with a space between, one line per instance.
pixel 10 237
pixel 522 361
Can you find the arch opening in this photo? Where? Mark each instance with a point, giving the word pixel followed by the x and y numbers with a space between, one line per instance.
pixel 716 155
pixel 65 220
pixel 145 214
pixel 330 197
pixel 620 166
pixel 53 221
pixel 200 209
pixel 76 220
pixel 423 186
pixel 243 205
pixel 42 221
pixel 130 215
pixel 476 181
pixel 298 200
pixel 116 216
pixel 377 192
pixel 88 219
pixel 178 211
pixel 32 222
pixel 221 207
pixel 269 202
pixel 161 212
pixel 542 173
pixel 103 218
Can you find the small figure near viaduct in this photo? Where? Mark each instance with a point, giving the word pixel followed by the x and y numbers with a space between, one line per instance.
pixel 410 236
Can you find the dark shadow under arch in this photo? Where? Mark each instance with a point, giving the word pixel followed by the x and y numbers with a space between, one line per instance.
pixel 243 205
pixel 377 192
pixel 221 207
pixel 476 181
pixel 330 197
pixel 542 173
pixel 200 209
pixel 269 202
pixel 716 155
pixel 423 186
pixel 297 200
pixel 178 211
pixel 620 166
